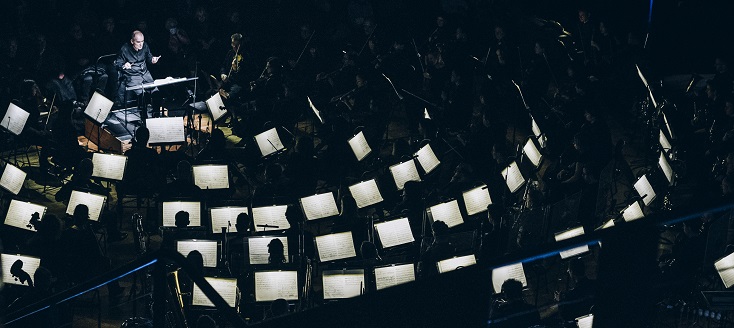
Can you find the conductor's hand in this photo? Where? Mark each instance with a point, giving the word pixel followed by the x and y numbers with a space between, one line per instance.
pixel 127 66
pixel 155 59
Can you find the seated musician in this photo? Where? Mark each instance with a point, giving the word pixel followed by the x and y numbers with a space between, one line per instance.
pixel 132 62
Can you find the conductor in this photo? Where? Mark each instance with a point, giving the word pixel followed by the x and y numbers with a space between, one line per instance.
pixel 132 61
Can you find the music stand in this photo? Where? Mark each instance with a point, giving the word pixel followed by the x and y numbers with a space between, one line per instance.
pixel 216 107
pixel 359 145
pixel 645 190
pixel 270 218
pixel 272 285
pixel 725 269
pixel 12 179
pixel 447 212
pixel 512 271
pixel 665 167
pixel 404 172
pixel 166 130
pixel 366 193
pixel 225 217
pixel 269 142
pixel 335 246
pixel 394 274
pixel 513 177
pixel 15 119
pixel 339 284
pixel 570 233
pixel 532 152
pixel 19 269
pixel 207 248
pixel 455 263
pixel 109 166
pixel 97 111
pixel 427 158
pixel 211 176
pixel 257 249
pixel 319 206
pixel 225 287
pixel 586 321
pixel 542 140
pixel 19 214
pixel 664 142
pixel 315 111
pixel 633 212
pixel 170 208
pixel 394 232
pixel 95 203
pixel 476 200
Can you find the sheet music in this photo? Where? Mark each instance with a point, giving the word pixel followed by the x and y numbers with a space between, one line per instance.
pixel 532 152
pixel 394 275
pixel 664 143
pixel 211 176
pixel 404 172
pixel 109 166
pixel 667 169
pixel 342 284
pixel 535 127
pixel 366 193
pixel 216 107
pixel 724 266
pixel 166 130
pixel 225 287
pixel 258 248
pixel 319 206
pixel 394 232
pixel 427 158
pixel 171 208
pixel 644 81
pixel 608 224
pixel 570 233
pixel 22 273
pixel 476 200
pixel 513 177
pixel 272 285
pixel 98 108
pixel 15 119
pixel 207 248
pixel 447 212
pixel 586 321
pixel 425 114
pixel 12 179
pixel 272 216
pixel 315 111
pixel 269 142
pixel 19 214
pixel 335 246
pixel 95 203
pixel 226 217
pixel 633 212
pixel 359 145
pixel 512 271
pixel 452 264
pixel 643 187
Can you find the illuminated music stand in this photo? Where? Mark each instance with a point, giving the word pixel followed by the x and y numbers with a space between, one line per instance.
pixel 391 275
pixel 455 263
pixel 633 212
pixel 95 203
pixel 542 140
pixel 97 111
pixel 393 233
pixel 427 158
pixel 645 190
pixel 513 177
pixel 269 218
pixel 359 146
pixel 225 287
pixel 225 217
pixel 12 179
pixel 109 167
pixel 319 206
pixel 19 214
pixel 216 107
pixel 207 248
pixel 170 208
pixel 27 268
pixel 211 176
pixel 404 172
pixel 366 193
pixel 532 153
pixel 257 249
pixel 272 285
pixel 269 142
pixel 15 119
pixel 666 169
pixel 335 246
pixel 476 200
pixel 447 212
pixel 340 284
pixel 512 271
pixel 567 234
pixel 166 131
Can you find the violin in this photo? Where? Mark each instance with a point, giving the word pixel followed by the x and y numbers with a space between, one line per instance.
pixel 236 61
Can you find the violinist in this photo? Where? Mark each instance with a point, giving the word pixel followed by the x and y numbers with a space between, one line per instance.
pixel 231 72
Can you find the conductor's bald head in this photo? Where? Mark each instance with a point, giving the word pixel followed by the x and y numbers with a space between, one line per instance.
pixel 137 40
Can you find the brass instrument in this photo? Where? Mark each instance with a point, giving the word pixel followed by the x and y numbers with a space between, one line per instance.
pixel 176 317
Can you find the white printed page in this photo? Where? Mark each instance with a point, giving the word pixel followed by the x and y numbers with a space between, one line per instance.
pixel 359 146
pixel 166 130
pixel 532 152
pixel 448 212
pixel 319 206
pixel 19 214
pixel 633 212
pixel 207 248
pixel 171 208
pixel 19 269
pixel 512 271
pixel 645 190
pixel 15 119
pixel 455 263
pixel 95 203
pixel 394 232
pixel 272 216
pixel 476 200
pixel 666 168
pixel 335 246
pixel 366 193
pixel 211 176
pixel 725 268
pixel 513 177
pixel 427 158
pixel 269 142
pixel 570 233
pixel 226 217
pixel 225 287
pixel 394 275
pixel 404 172
pixel 12 179
pixel 216 107
pixel 98 108
pixel 342 285
pixel 258 248
pixel 272 285
pixel 109 166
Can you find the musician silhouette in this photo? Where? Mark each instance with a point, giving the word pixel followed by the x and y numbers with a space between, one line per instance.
pixel 16 270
